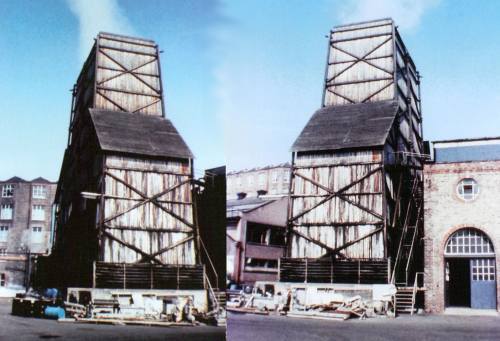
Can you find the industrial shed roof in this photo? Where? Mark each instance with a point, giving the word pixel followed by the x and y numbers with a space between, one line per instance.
pixel 134 133
pixel 347 126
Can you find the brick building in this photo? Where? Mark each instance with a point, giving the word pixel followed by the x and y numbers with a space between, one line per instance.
pixel 270 180
pixel 462 225
pixel 25 227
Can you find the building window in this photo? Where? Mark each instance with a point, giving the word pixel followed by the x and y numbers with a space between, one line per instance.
pixel 469 242
pixel 38 192
pixel 3 252
pixel 238 181
pixel 468 189
pixel 271 264
pixel 286 177
pixel 3 280
pixel 36 234
pixel 7 191
pixel 265 235
pixel 38 212
pixel 4 232
pixel 6 212
pixel 483 269
pixel 250 180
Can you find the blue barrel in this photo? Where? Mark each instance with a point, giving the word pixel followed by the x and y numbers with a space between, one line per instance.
pixel 54 313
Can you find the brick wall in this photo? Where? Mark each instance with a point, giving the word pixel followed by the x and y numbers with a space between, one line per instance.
pixel 445 213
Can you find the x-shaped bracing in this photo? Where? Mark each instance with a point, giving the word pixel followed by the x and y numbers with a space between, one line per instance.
pixel 132 72
pixel 332 194
pixel 154 200
pixel 356 61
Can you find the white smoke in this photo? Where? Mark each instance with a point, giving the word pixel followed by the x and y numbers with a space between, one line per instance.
pixel 95 16
pixel 406 13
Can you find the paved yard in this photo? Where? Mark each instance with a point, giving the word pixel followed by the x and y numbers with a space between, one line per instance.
pixel 22 328
pixel 250 327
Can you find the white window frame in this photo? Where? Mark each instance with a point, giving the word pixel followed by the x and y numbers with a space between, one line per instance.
pixel 6 211
pixel 40 215
pixel 7 191
pixel 3 251
pixel 36 234
pixel 461 187
pixel 469 242
pixel 250 180
pixel 4 234
pixel 3 279
pixel 39 192
pixel 239 182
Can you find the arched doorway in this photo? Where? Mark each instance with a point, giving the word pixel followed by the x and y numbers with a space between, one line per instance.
pixel 470 279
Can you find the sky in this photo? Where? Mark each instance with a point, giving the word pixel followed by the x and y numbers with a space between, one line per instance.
pixel 241 78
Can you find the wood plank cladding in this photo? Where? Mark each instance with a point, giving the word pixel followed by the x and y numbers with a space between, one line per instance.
pixel 357 164
pixel 127 75
pixel 335 202
pixel 139 276
pixel 361 271
pixel 125 193
pixel 162 226
pixel 368 62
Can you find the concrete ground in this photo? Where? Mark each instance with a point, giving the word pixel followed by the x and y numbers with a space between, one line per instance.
pixel 23 328
pixel 251 327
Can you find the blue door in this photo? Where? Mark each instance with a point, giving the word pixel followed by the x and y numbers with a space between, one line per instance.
pixel 483 283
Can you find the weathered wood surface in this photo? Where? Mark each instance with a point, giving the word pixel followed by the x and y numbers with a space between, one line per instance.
pixel 337 271
pixel 334 203
pixel 128 75
pixel 148 204
pixel 140 276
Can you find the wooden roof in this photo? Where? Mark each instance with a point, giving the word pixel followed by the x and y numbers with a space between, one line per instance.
pixel 139 134
pixel 347 126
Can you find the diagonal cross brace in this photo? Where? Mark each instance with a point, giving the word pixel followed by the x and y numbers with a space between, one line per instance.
pixel 124 72
pixel 337 194
pixel 358 59
pixel 147 199
pixel 131 73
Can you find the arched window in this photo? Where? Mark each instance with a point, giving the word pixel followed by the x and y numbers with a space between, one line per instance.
pixel 468 189
pixel 467 242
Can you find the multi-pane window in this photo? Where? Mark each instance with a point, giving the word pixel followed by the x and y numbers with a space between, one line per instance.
pixel 468 189
pixel 7 190
pixel 39 192
pixel 483 269
pixel 3 280
pixel 3 252
pixel 250 180
pixel 6 212
pixel 36 234
pixel 38 212
pixel 4 233
pixel 286 177
pixel 469 242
